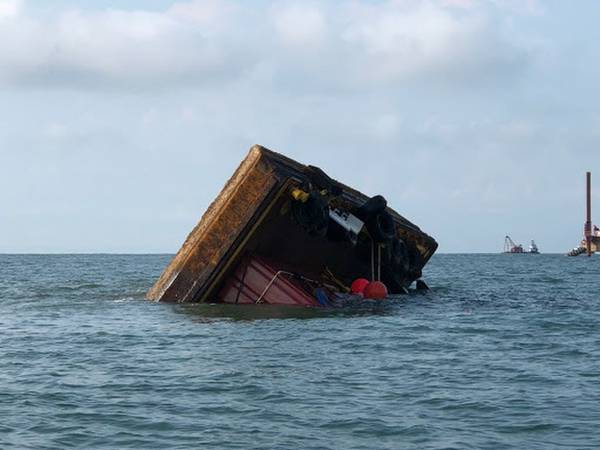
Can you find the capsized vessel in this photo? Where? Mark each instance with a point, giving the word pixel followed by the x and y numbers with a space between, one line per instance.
pixel 281 232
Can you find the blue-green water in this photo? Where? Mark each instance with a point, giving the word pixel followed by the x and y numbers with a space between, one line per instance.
pixel 503 352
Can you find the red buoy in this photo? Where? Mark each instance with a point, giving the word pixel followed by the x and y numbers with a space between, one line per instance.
pixel 375 290
pixel 358 286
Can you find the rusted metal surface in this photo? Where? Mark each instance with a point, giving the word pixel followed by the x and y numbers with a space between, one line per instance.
pixel 256 281
pixel 208 242
pixel 246 215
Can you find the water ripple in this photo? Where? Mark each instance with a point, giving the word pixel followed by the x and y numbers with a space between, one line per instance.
pixel 502 353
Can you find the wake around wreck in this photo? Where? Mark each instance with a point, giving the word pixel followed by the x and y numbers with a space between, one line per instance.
pixel 284 233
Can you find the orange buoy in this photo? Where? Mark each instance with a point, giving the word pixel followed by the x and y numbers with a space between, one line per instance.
pixel 358 286
pixel 375 290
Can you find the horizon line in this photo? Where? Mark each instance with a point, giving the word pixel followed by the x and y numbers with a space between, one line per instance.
pixel 174 253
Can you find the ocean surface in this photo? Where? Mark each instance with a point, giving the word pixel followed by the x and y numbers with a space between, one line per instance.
pixel 502 353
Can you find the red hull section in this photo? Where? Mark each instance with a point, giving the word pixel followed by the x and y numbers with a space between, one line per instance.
pixel 256 281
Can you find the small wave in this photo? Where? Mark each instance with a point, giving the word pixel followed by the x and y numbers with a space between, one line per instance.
pixel 77 287
pixel 125 299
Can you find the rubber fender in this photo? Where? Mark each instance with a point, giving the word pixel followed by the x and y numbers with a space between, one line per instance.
pixel 321 180
pixel 312 215
pixel 381 227
pixel 371 207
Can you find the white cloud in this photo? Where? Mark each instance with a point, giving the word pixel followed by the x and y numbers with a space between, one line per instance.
pixel 208 13
pixel 303 45
pixel 9 8
pixel 114 47
pixel 465 4
pixel 299 24
pixel 526 7
pixel 400 40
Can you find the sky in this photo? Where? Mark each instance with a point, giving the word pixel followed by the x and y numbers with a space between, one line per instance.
pixel 120 121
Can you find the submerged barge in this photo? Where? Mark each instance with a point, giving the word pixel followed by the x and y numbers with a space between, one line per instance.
pixel 281 232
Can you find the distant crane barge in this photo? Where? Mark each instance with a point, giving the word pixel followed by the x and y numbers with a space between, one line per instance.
pixel 511 247
pixel 591 234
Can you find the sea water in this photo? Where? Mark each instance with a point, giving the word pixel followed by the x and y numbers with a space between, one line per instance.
pixel 503 352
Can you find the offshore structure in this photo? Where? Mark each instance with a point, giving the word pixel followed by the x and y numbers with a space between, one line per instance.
pixel 591 234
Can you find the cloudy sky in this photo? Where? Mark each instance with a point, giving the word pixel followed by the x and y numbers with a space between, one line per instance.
pixel 121 120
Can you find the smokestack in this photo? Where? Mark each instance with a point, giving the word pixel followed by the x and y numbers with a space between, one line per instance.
pixel 588 221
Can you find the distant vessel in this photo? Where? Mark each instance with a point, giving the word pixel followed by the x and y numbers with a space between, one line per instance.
pixel 511 247
pixel 533 248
